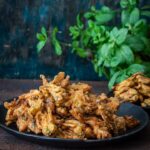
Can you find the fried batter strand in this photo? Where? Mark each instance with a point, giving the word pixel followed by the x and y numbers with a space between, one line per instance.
pixel 134 89
pixel 63 109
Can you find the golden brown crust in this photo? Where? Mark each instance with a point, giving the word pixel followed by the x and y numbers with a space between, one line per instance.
pixel 134 89
pixel 67 110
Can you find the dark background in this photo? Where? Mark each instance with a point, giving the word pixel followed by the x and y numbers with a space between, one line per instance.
pixel 20 20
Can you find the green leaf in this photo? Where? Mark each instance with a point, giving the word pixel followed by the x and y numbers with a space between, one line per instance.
pixel 85 38
pixel 127 54
pixel 91 24
pixel 123 75
pixel 58 49
pixel 100 72
pixel 147 68
pixel 128 3
pixel 101 16
pixel 134 16
pixel 133 2
pixel 100 61
pixel 75 44
pixel 118 36
pixel 125 17
pixel 121 36
pixel 107 62
pixel 88 15
pixel 43 31
pixel 134 68
pixel 113 71
pixel 74 32
pixel 140 27
pixel 81 52
pixel 105 15
pixel 96 67
pixel 130 16
pixel 93 8
pixel 145 13
pixel 135 43
pixel 105 50
pixel 40 45
pixel 91 13
pixel 124 3
pixel 137 59
pixel 116 60
pixel 114 32
pixel 40 37
pixel 79 22
pixel 146 42
pixel 112 80
pixel 122 55
pixel 55 42
pixel 106 9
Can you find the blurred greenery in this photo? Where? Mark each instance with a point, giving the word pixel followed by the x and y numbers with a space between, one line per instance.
pixel 117 51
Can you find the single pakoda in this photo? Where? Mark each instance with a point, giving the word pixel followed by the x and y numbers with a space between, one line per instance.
pixel 135 89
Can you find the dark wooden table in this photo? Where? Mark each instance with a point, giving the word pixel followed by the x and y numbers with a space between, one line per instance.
pixel 11 88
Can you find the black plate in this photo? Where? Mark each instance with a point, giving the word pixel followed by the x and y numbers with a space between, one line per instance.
pixel 125 109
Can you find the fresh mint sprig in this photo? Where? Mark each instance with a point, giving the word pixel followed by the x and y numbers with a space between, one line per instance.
pixel 116 51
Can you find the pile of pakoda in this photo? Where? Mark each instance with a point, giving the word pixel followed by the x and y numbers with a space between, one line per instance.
pixel 67 110
pixel 135 89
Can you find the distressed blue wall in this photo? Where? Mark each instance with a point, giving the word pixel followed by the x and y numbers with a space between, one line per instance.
pixel 19 23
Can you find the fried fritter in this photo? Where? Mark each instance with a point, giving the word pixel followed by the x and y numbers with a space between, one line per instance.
pixel 135 89
pixel 63 109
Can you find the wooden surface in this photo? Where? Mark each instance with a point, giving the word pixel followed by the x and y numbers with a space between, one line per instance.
pixel 11 88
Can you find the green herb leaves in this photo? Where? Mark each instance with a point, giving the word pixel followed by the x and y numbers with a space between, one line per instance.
pixel 42 37
pixel 115 51
pixel 118 36
pixel 130 13
pixel 40 45
pixel 134 16
pixel 127 4
pixel 127 54
pixel 101 16
pixel 55 42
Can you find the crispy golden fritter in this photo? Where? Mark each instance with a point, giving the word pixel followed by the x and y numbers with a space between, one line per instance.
pixel 146 103
pixel 134 89
pixel 63 109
